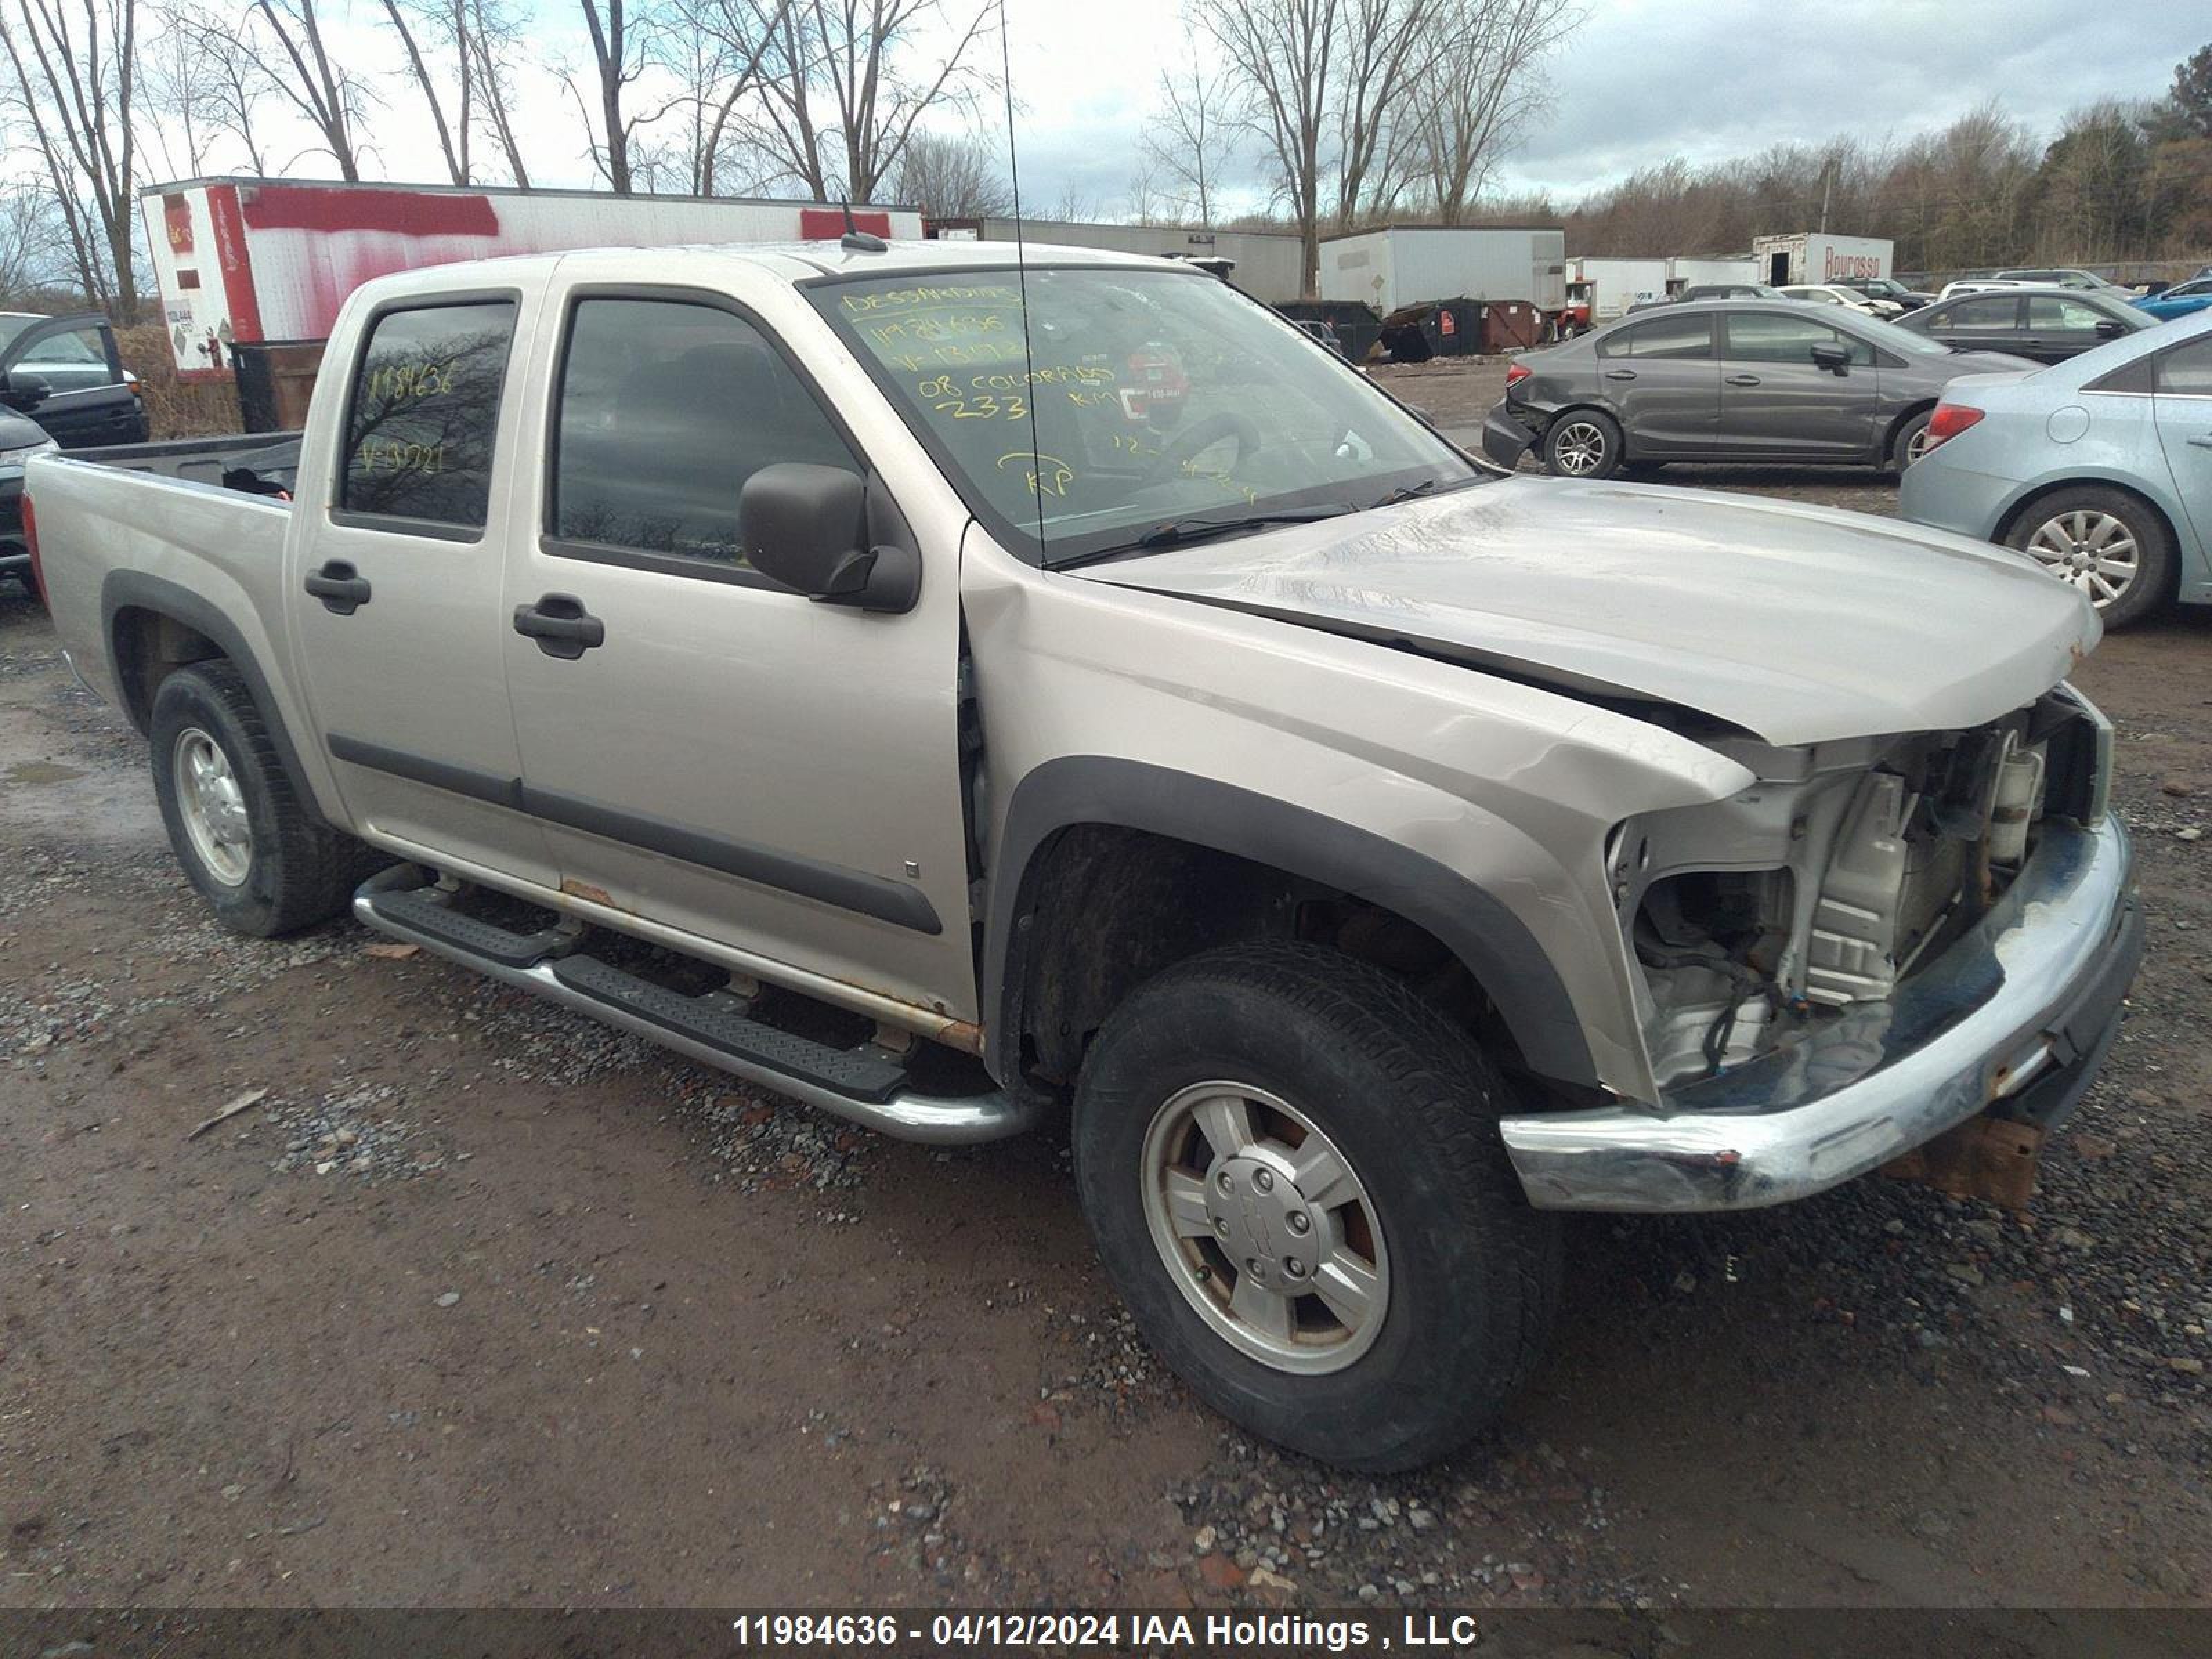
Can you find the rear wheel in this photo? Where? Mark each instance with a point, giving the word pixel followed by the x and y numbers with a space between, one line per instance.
pixel 2110 544
pixel 1583 443
pixel 263 858
pixel 1911 442
pixel 1292 1166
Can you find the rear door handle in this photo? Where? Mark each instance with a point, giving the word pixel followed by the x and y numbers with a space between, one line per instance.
pixel 341 588
pixel 1621 374
pixel 2204 442
pixel 1743 379
pixel 560 625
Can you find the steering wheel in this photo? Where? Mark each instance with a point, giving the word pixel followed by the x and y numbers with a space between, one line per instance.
pixel 1200 436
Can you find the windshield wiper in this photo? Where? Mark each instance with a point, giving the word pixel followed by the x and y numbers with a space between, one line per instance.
pixel 1426 486
pixel 1178 532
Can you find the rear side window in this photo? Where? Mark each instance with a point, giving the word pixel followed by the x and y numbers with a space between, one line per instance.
pixel 425 405
pixel 1998 313
pixel 1768 336
pixel 2186 371
pixel 1678 337
pixel 2069 316
pixel 666 408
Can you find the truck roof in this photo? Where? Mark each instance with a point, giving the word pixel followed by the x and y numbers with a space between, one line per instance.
pixel 796 261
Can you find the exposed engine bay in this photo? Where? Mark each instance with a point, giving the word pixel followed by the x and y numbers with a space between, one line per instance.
pixel 1845 866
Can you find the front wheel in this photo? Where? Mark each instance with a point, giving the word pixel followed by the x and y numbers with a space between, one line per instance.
pixel 1292 1166
pixel 2108 544
pixel 1583 443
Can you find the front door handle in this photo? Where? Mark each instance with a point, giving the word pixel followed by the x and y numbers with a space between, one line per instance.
pixel 1621 374
pixel 1743 379
pixel 560 625
pixel 2204 442
pixel 341 588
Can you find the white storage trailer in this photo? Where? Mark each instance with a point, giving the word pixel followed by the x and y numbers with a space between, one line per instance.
pixel 1814 256
pixel 1685 271
pixel 1267 263
pixel 240 261
pixel 1404 264
pixel 1610 285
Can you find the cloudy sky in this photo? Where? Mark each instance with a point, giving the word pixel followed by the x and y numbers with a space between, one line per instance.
pixel 1641 81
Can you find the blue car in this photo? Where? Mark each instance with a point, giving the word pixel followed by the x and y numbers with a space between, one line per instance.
pixel 2100 468
pixel 2182 300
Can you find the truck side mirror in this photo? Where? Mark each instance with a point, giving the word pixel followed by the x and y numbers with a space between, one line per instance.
pixel 1833 358
pixel 26 389
pixel 808 527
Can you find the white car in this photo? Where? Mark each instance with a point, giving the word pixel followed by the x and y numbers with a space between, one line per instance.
pixel 1850 299
pixel 1981 285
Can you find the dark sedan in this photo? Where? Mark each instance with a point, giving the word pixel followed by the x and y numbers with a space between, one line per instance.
pixel 2048 324
pixel 1731 380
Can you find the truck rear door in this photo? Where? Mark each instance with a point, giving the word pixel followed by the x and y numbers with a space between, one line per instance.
pixel 395 571
pixel 709 751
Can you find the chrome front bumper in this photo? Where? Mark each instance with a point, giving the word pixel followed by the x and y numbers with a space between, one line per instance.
pixel 2022 1006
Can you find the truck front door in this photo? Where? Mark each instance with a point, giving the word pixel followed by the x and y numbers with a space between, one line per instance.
pixel 396 584
pixel 760 777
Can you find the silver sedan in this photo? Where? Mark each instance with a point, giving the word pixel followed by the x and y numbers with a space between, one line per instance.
pixel 1731 380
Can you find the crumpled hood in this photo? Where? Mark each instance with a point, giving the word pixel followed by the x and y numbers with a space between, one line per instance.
pixel 1797 623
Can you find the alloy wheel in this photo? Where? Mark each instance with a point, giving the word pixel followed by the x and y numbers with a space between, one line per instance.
pixel 213 807
pixel 1579 448
pixel 2094 552
pixel 1265 1227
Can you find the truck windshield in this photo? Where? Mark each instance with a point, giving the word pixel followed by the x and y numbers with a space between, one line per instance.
pixel 1140 398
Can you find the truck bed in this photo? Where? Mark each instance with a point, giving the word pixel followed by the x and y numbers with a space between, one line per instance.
pixel 112 531
pixel 269 459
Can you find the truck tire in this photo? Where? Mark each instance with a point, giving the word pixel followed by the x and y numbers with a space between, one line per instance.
pixel 263 858
pixel 2111 543
pixel 1291 1164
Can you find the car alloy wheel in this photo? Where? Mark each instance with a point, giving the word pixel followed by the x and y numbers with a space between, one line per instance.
pixel 1579 448
pixel 1916 445
pixel 213 807
pixel 2095 551
pixel 1265 1228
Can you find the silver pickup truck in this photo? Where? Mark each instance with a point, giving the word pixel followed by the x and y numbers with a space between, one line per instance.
pixel 954 693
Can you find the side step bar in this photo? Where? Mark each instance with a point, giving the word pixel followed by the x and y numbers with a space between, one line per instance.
pixel 861 1085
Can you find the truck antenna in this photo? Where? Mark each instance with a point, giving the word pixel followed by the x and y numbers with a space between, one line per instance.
pixel 856 240
pixel 1022 274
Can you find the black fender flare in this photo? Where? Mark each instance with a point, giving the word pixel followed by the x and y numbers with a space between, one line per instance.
pixel 123 590
pixel 1494 944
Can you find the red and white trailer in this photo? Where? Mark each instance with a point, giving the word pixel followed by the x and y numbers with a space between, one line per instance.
pixel 240 262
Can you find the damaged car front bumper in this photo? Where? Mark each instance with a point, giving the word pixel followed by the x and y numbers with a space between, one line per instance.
pixel 2016 1015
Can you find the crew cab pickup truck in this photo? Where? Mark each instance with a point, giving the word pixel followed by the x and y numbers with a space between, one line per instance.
pixel 956 692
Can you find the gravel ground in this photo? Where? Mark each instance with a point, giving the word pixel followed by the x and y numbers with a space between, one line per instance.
pixel 485 1304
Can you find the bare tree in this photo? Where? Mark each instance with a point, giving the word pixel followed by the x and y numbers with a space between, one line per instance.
pixel 1191 139
pixel 445 24
pixel 320 88
pixel 950 178
pixel 1282 56
pixel 77 73
pixel 624 38
pixel 1494 87
pixel 496 38
pixel 180 89
pixel 875 67
pixel 1389 49
pixel 720 56
pixel 33 246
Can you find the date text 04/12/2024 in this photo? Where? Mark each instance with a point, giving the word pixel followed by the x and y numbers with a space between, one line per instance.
pixel 1251 1632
